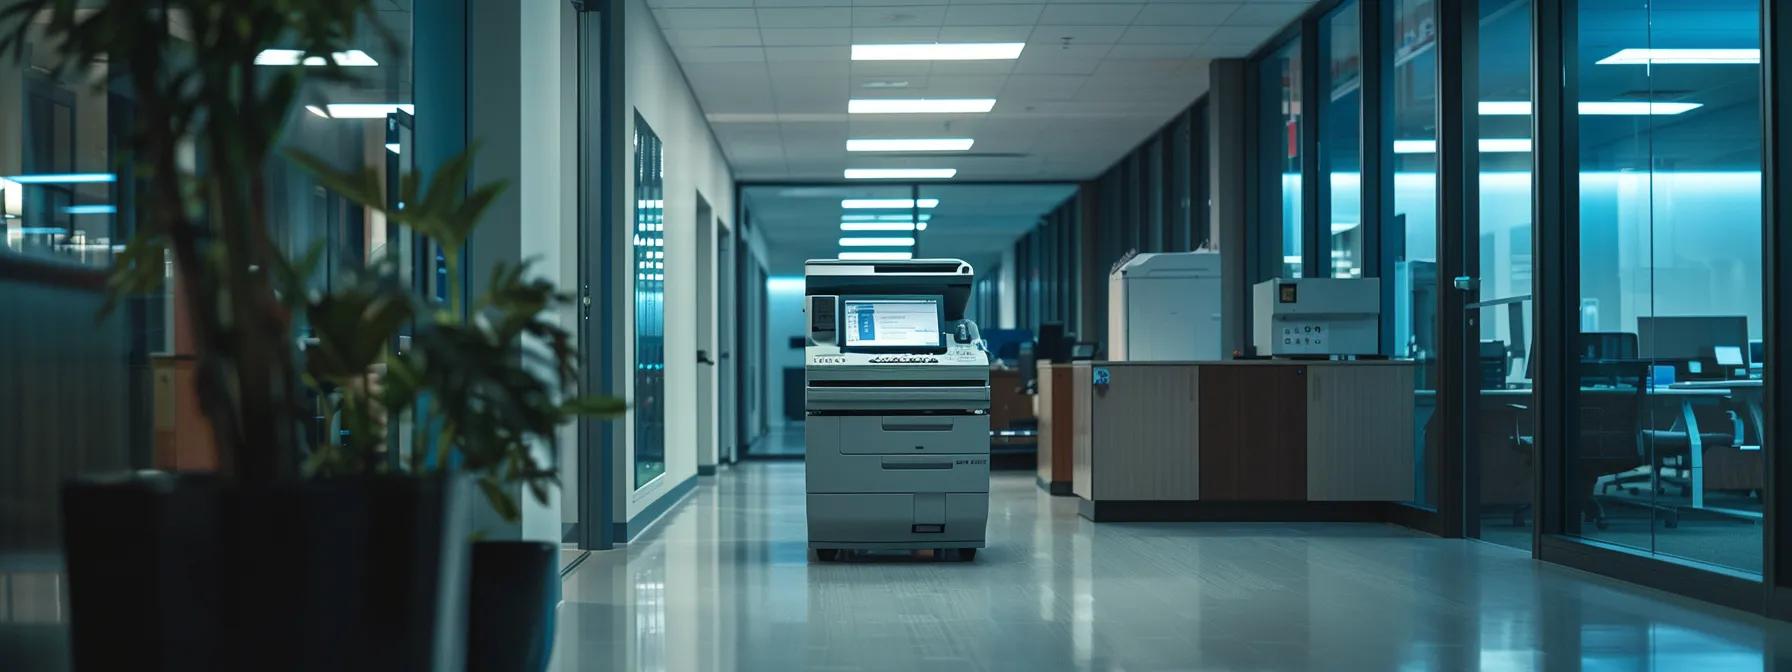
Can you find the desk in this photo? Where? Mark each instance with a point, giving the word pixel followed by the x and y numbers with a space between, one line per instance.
pixel 1683 398
pixel 1057 427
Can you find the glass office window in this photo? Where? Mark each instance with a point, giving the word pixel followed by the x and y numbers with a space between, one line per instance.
pixel 649 245
pixel 1410 258
pixel 1279 163
pixel 1502 420
pixel 1668 456
pixel 1341 140
pixel 1181 184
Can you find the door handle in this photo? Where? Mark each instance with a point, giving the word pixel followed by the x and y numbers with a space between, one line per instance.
pixel 1466 283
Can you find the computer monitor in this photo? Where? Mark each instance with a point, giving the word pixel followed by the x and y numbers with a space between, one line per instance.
pixel 1603 345
pixel 893 323
pixel 1689 337
pixel 1757 354
pixel 1053 345
pixel 1082 351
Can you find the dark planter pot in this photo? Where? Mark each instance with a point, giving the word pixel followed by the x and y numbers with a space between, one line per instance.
pixel 515 593
pixel 176 572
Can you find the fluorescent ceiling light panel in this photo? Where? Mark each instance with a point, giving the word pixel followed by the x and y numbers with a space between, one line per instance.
pixel 903 218
pixel 920 105
pixel 360 110
pixel 878 242
pixel 887 203
pixel 900 173
pixel 1489 145
pixel 91 209
pixel 64 178
pixel 874 256
pixel 1635 108
pixel 909 145
pixel 1520 108
pixel 970 51
pixel 353 58
pixel 876 226
pixel 1643 56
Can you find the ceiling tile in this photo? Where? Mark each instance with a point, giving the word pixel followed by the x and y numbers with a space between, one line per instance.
pixel 1244 36
pixel 1185 14
pixel 699 3
pixel 921 34
pixel 1089 14
pixel 1053 37
pixel 952 33
pixel 1072 60
pixel 1189 35
pixel 713 37
pixel 992 15
pixel 964 86
pixel 720 54
pixel 805 37
pixel 1266 14
pixel 884 17
pixel 805 17
pixel 1042 87
pixel 1140 51
pixel 824 54
pixel 677 19
pixel 969 68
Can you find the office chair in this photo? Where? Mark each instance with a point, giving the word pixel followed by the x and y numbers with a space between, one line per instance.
pixel 1611 436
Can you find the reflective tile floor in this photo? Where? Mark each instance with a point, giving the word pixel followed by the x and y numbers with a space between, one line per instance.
pixel 724 582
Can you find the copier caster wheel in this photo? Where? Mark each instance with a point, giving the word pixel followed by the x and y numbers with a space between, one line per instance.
pixel 827 554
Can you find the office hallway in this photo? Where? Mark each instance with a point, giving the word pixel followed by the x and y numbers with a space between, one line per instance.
pixel 725 582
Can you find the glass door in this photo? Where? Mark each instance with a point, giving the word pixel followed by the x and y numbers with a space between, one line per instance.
pixel 1497 310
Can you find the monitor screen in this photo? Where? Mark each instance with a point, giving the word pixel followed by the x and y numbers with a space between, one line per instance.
pixel 1728 355
pixel 892 322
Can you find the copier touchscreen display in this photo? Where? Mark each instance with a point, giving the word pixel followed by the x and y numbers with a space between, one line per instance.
pixel 891 322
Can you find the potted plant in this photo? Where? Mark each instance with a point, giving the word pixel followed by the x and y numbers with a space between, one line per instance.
pixel 319 544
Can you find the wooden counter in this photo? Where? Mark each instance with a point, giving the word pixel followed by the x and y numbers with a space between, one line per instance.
pixel 1057 427
pixel 1200 441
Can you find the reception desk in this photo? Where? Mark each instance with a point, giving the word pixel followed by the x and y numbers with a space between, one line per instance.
pixel 1242 440
pixel 1057 426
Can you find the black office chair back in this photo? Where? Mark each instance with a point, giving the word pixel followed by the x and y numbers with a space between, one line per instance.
pixel 1610 409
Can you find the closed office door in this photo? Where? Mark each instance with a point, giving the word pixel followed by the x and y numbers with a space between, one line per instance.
pixel 1496 262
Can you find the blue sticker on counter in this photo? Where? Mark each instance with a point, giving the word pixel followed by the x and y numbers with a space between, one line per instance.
pixel 1101 377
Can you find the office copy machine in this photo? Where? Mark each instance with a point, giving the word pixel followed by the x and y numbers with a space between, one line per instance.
pixel 897 427
pixel 1165 307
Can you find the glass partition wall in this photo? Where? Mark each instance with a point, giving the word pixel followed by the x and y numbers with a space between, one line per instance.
pixel 1606 401
pixel 648 242
pixel 1667 457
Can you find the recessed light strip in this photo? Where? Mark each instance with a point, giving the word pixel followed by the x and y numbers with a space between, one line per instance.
pixel 969 51
pixel 1645 56
pixel 882 226
pixel 1522 108
pixel 874 256
pixel 878 242
pixel 909 145
pixel 360 110
pixel 900 173
pixel 888 203
pixel 920 105
pixel 353 58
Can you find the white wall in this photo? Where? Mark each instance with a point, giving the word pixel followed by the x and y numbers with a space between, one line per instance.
pixel 655 88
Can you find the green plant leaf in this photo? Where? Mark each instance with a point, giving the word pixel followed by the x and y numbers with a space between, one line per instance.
pixel 500 500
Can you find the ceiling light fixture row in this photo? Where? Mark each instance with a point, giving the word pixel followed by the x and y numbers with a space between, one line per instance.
pixel 967 51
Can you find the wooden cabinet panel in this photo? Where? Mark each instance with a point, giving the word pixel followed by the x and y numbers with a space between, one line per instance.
pixel 1253 426
pixel 1146 444
pixel 1057 430
pixel 1359 433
